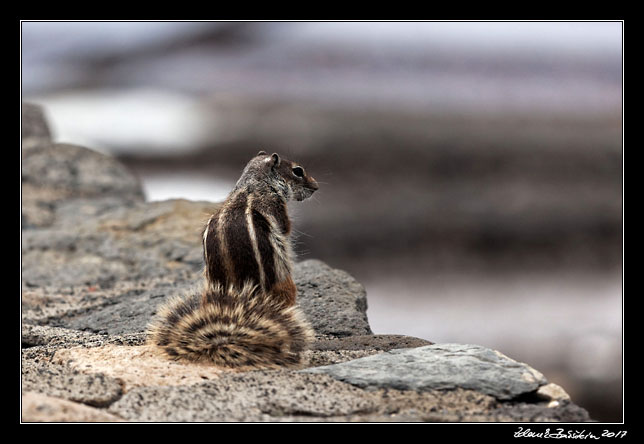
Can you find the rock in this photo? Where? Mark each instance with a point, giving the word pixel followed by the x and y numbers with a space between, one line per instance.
pixel 56 173
pixel 250 396
pixel 553 392
pixel 34 128
pixel 93 389
pixel 280 395
pixel 125 310
pixel 40 343
pixel 151 368
pixel 53 337
pixel 316 358
pixel 103 242
pixel 53 173
pixel 440 367
pixel 79 171
pixel 67 306
pixel 37 407
pixel 369 342
pixel 70 270
pixel 334 302
pixel 332 350
pixel 535 412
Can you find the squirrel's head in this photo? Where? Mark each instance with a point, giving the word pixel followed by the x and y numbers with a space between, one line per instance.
pixel 285 177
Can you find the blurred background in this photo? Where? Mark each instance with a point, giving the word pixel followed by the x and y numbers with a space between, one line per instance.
pixel 471 172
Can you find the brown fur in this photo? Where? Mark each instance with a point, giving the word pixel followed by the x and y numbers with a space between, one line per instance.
pixel 241 330
pixel 248 238
pixel 285 291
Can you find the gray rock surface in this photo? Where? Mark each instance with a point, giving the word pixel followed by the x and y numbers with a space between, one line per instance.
pixel 95 389
pixel 334 301
pixel 122 311
pixel 332 350
pixel 78 170
pixel 97 261
pixel 369 342
pixel 253 396
pixel 440 367
pixel 54 174
pixel 39 338
pixel 291 396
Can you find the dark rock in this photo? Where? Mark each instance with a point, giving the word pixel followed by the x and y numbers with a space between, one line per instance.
pixel 369 342
pixel 128 312
pixel 334 302
pixel 327 350
pixel 40 342
pixel 55 337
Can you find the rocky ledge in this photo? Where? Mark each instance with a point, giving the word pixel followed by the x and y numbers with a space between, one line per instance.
pixel 96 262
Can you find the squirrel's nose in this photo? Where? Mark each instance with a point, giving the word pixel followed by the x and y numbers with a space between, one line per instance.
pixel 313 184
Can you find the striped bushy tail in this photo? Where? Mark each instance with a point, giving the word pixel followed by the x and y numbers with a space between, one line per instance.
pixel 242 329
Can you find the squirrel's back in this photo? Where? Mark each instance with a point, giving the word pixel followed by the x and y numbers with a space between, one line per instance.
pixel 244 330
pixel 247 239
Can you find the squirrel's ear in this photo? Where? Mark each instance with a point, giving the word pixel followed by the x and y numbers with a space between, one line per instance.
pixel 261 153
pixel 276 160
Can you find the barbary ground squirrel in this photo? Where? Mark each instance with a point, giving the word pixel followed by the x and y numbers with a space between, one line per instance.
pixel 245 317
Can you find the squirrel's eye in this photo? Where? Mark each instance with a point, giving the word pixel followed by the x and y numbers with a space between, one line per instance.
pixel 298 171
